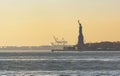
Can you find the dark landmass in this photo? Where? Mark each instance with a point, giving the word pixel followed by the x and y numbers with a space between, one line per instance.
pixel 107 46
pixel 98 46
pixel 26 47
pixel 103 46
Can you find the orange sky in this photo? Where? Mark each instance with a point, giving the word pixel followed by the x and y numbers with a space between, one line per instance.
pixel 34 22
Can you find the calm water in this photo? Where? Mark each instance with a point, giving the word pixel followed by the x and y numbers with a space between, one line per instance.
pixel 60 64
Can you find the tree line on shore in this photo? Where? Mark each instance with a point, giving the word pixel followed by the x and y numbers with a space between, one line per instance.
pixel 106 45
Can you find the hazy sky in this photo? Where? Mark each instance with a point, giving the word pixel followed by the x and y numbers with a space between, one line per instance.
pixel 34 22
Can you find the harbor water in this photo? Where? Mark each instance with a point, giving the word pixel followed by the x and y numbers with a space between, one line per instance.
pixel 104 63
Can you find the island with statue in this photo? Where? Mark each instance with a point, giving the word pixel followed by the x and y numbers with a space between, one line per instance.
pixel 98 46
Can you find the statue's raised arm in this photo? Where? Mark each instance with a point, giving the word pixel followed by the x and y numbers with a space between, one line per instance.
pixel 79 22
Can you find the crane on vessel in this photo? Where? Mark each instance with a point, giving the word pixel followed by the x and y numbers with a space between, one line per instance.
pixel 59 42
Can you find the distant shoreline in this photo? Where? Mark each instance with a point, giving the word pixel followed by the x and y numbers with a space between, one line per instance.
pixel 107 46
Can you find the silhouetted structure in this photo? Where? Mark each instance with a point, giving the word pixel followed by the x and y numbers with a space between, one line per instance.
pixel 80 44
pixel 101 46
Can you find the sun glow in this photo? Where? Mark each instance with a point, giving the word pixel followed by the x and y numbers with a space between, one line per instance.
pixel 34 22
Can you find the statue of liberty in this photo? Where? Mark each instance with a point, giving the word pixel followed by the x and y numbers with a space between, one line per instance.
pixel 80 44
